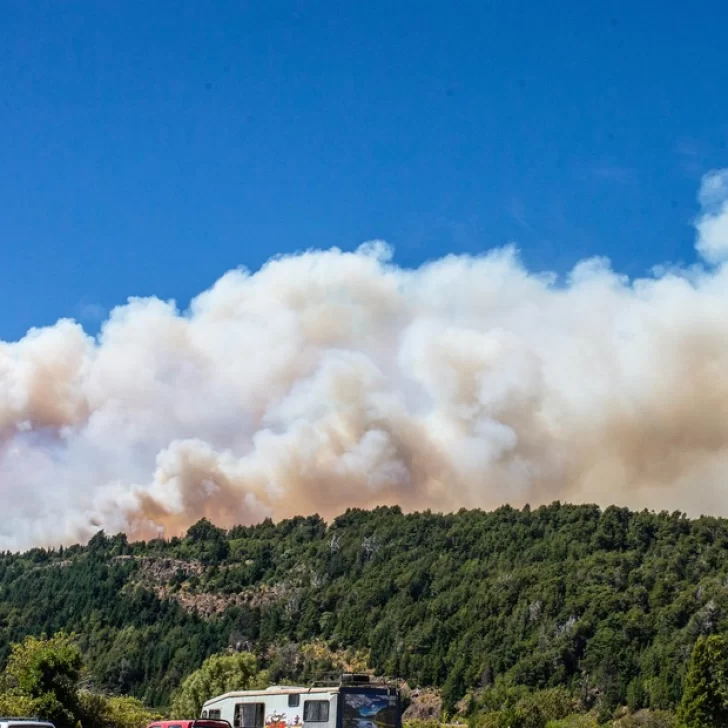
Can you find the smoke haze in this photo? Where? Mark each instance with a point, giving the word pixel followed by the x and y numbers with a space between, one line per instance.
pixel 329 379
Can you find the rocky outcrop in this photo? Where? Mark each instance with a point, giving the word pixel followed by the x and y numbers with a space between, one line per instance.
pixel 210 604
pixel 157 570
pixel 162 576
pixel 425 704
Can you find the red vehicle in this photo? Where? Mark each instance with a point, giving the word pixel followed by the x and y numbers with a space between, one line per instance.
pixel 190 723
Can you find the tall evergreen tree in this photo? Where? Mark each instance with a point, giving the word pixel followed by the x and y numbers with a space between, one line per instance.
pixel 705 697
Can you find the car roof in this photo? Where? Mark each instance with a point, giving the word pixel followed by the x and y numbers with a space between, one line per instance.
pixel 190 721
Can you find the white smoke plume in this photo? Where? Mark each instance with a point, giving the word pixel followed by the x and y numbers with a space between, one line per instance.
pixel 329 379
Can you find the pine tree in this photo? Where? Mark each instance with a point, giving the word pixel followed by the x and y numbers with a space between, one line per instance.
pixel 705 697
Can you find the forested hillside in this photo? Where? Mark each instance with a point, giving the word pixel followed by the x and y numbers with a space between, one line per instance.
pixel 606 603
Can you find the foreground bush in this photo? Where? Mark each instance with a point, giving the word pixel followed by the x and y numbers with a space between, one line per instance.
pixel 42 679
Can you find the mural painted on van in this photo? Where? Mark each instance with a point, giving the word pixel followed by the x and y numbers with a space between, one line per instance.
pixel 369 710
pixel 280 720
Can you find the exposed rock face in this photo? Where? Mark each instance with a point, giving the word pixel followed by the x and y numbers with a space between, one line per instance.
pixel 162 570
pixel 426 705
pixel 209 604
pixel 161 576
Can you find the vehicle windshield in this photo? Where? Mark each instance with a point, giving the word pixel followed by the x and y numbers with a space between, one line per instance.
pixel 370 709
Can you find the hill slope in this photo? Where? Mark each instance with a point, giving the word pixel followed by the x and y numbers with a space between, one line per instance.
pixel 605 603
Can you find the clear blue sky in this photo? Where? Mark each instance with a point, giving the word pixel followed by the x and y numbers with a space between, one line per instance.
pixel 147 147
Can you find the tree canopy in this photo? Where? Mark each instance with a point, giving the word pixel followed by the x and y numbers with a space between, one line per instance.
pixel 218 674
pixel 43 678
pixel 705 698
pixel 604 603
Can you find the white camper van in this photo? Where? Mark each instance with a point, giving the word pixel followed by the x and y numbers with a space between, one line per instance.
pixel 356 702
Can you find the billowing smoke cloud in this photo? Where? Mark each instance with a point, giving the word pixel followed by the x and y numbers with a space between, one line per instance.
pixel 330 379
pixel 713 224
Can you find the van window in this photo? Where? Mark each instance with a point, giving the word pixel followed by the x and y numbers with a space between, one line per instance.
pixel 249 715
pixel 315 711
pixel 294 700
pixel 213 715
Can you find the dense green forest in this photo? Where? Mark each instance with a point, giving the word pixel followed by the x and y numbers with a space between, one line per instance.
pixel 605 604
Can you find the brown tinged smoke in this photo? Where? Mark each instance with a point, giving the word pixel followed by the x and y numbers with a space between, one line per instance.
pixel 328 380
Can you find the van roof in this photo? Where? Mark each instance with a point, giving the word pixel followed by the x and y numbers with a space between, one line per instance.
pixel 274 690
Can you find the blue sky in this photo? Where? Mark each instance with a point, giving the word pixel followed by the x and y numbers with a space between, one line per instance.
pixel 145 148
